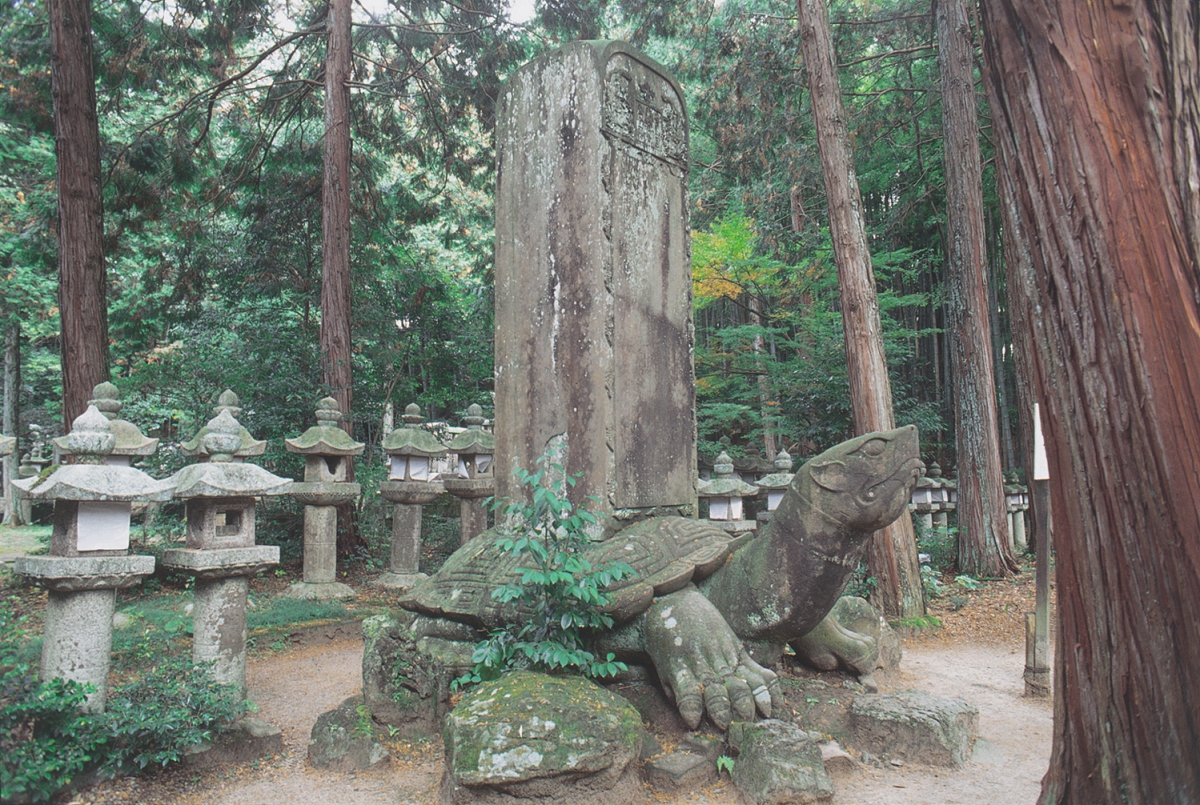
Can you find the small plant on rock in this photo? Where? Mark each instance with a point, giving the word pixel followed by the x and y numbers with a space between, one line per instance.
pixel 560 595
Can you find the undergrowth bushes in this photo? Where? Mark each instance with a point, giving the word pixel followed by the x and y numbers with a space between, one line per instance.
pixel 46 740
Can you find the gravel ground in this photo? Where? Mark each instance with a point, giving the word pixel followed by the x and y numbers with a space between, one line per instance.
pixel 978 655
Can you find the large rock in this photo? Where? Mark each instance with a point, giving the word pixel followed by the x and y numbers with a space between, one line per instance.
pixel 343 739
pixel 914 726
pixel 406 684
pixel 777 763
pixel 529 737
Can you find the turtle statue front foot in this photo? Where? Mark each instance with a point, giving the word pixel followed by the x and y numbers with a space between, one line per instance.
pixel 847 638
pixel 702 664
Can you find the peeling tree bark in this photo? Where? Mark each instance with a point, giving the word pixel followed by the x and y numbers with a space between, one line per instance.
pixel 1097 125
pixel 81 273
pixel 983 542
pixel 892 552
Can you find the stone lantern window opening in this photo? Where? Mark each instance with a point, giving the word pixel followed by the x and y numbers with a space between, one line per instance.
pixel 220 522
pixel 104 525
pixel 409 468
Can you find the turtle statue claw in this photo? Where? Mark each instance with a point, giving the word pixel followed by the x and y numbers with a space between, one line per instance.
pixel 701 606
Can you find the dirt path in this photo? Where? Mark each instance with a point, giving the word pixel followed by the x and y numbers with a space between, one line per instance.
pixel 291 690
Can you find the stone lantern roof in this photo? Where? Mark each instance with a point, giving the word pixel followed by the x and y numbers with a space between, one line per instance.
pixel 725 484
pixel 220 440
pixel 412 439
pixel 91 439
pixel 325 438
pixel 474 440
pixel 247 446
pixel 782 477
pixel 130 439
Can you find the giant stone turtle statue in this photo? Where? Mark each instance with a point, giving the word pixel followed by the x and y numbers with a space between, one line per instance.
pixel 702 605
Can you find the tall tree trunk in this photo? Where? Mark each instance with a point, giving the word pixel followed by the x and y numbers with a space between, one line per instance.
pixel 983 546
pixel 81 278
pixel 766 404
pixel 11 416
pixel 335 238
pixel 1098 132
pixel 892 552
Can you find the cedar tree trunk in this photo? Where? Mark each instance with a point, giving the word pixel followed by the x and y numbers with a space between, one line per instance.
pixel 983 543
pixel 891 552
pixel 335 238
pixel 1097 128
pixel 81 278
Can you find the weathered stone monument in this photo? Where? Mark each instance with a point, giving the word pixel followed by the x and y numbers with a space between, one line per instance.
pixel 220 492
pixel 409 487
pixel 328 451
pixel 89 550
pixel 593 279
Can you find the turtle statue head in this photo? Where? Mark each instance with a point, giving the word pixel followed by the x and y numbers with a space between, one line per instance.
pixel 866 482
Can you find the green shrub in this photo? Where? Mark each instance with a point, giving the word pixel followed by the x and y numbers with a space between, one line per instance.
pixel 46 740
pixel 559 589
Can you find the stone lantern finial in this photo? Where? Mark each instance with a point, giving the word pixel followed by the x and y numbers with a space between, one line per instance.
pixel 474 418
pixel 327 412
pixel 783 461
pixel 412 415
pixel 107 399
pixel 91 437
pixel 227 401
pixel 223 438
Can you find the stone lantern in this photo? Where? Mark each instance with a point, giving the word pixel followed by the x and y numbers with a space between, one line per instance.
pixel 938 496
pixel 328 451
pixel 89 552
pixel 220 493
pixel 473 481
pixel 1017 499
pixel 724 494
pixel 409 486
pixel 32 464
pixel 776 484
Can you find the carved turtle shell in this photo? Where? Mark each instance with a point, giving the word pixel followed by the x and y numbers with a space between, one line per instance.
pixel 665 552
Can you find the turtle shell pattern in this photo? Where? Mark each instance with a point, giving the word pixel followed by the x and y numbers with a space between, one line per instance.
pixel 665 552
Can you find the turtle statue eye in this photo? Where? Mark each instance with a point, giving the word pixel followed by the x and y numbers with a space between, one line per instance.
pixel 874 447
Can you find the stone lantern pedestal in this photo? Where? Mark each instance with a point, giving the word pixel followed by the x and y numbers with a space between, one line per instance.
pixel 220 494
pixel 410 485
pixel 88 559
pixel 474 481
pixel 328 451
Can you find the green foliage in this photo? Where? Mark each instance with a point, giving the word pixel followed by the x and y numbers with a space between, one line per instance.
pixel 724 764
pixel 931 584
pixel 967 582
pixel 46 740
pixel 560 594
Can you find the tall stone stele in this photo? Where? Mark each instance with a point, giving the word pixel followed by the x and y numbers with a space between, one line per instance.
pixel 593 280
pixel 328 451
pixel 473 479
pixel 220 494
pixel 410 485
pixel 89 550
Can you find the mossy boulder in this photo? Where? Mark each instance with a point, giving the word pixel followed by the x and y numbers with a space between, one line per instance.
pixel 406 678
pixel 777 763
pixel 546 739
pixel 343 739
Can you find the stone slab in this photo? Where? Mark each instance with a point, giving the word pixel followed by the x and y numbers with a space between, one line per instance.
pixel 76 573
pixel 679 771
pixel 220 562
pixel 914 726
pixel 325 591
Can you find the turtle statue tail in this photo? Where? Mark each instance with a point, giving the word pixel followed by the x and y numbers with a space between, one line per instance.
pixel 784 581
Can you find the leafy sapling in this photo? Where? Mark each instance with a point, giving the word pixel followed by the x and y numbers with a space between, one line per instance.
pixel 560 594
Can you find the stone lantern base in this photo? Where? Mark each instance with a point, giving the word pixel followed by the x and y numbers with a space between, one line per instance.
pixel 77 638
pixel 219 610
